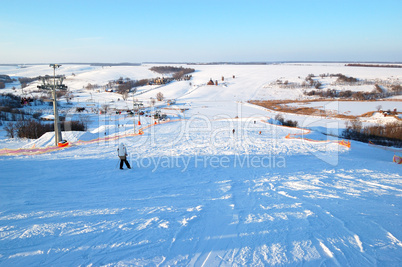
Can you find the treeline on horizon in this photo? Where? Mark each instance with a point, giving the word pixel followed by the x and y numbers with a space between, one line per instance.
pixel 372 65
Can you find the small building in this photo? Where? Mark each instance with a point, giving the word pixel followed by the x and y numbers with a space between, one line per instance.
pixel 211 82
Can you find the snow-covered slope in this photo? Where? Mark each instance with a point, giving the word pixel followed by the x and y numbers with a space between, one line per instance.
pixel 215 184
pixel 191 202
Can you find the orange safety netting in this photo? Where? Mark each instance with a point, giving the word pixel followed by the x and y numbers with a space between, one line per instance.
pixel 42 150
pixel 341 143
pixel 397 159
pixel 307 131
pixel 29 151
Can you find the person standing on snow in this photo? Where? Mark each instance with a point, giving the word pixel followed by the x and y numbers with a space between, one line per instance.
pixel 122 153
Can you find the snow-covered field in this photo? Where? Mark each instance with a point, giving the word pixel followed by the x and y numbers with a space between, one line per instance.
pixel 355 108
pixel 199 193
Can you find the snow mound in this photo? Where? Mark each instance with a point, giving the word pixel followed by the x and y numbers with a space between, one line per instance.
pixel 379 118
pixel 47 139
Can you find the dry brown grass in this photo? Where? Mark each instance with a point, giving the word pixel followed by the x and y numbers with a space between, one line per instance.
pixel 368 114
pixel 396 117
pixel 371 113
pixel 281 106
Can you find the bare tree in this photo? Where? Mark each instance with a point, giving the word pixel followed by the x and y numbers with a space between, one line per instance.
pixel 10 129
pixel 105 108
pixel 89 86
pixel 152 101
pixel 124 95
pixel 159 96
pixel 85 119
pixel 69 96
pixel 123 88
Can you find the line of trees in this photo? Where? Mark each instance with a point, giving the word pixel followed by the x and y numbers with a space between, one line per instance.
pixel 388 134
pixel 24 81
pixel 24 124
pixel 3 80
pixel 376 93
pixel 373 65
pixel 345 79
pixel 284 122
pixel 34 129
pixel 125 85
pixel 178 72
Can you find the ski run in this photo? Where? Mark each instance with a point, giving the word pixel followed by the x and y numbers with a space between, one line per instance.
pixel 217 183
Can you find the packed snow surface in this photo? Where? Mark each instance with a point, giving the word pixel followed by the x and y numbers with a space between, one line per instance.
pixel 214 185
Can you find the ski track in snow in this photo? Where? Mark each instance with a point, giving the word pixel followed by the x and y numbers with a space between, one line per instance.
pixel 266 220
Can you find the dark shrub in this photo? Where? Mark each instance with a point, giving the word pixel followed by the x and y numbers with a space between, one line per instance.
pixel 34 129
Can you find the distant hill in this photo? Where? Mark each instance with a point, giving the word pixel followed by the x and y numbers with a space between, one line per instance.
pixel 115 64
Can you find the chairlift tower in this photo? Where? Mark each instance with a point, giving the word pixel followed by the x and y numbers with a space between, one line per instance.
pixel 48 85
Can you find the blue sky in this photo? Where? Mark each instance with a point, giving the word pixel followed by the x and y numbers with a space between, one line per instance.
pixel 200 31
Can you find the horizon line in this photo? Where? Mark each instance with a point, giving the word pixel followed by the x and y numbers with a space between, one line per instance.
pixel 202 63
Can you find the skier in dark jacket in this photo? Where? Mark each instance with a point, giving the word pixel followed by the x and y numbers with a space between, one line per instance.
pixel 122 153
